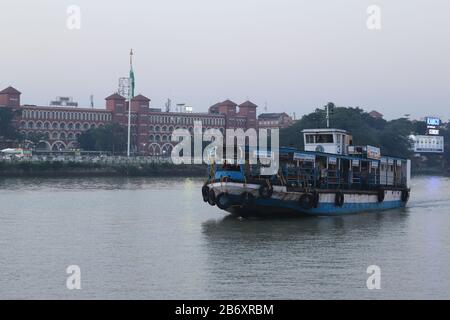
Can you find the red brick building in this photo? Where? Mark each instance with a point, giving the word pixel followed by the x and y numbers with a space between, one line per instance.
pixel 274 120
pixel 151 128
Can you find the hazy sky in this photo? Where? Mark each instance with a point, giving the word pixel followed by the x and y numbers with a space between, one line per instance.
pixel 293 55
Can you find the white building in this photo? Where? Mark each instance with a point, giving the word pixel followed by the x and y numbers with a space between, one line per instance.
pixel 427 144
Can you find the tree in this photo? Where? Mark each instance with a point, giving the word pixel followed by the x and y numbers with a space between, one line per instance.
pixel 390 136
pixel 7 130
pixel 36 137
pixel 111 137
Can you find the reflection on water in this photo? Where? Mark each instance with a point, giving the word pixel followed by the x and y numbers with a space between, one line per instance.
pixel 155 238
pixel 298 258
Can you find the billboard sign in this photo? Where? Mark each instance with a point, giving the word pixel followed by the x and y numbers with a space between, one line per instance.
pixel 433 121
pixel 433 132
pixel 373 152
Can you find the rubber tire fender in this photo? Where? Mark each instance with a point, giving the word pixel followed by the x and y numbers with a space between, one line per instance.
pixel 247 198
pixel 405 195
pixel 339 199
pixel 265 190
pixel 223 201
pixel 205 193
pixel 380 195
pixel 315 199
pixel 306 201
pixel 211 197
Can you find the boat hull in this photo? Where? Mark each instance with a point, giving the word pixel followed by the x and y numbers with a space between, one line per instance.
pixel 283 202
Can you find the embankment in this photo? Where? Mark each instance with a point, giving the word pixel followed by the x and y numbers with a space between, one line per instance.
pixel 77 169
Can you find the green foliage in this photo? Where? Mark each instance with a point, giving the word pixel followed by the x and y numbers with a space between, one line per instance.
pixel 111 137
pixel 7 130
pixel 390 136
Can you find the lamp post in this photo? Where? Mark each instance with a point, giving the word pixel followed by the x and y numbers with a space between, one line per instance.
pixel 126 89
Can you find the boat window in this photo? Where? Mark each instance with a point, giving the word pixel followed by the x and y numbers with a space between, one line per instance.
pixel 231 167
pixel 324 138
pixel 309 138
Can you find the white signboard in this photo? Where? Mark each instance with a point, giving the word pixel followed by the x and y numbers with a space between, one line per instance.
pixel 304 157
pixel 332 160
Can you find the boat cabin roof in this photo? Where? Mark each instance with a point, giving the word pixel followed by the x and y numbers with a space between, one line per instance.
pixel 291 150
pixel 325 130
pixel 285 150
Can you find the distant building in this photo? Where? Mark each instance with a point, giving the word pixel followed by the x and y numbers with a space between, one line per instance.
pixel 375 114
pixel 427 144
pixel 274 120
pixel 63 102
pixel 61 124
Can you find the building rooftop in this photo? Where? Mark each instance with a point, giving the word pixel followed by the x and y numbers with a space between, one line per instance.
pixel 10 90
pixel 271 115
pixel 115 96
pixel 140 97
pixel 375 114
pixel 248 104
pixel 228 103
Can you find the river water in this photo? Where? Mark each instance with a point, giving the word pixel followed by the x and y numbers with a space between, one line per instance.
pixel 150 238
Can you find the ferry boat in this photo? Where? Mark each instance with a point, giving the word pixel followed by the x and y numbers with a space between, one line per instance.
pixel 329 177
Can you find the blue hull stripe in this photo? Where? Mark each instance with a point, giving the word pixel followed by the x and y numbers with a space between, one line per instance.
pixel 324 209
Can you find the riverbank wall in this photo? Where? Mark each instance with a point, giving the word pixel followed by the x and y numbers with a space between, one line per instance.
pixel 77 169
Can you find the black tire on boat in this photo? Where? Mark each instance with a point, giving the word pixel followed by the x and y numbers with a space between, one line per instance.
pixel 339 199
pixel 265 190
pixel 211 197
pixel 315 199
pixel 247 198
pixel 405 195
pixel 205 193
pixel 380 195
pixel 306 201
pixel 223 201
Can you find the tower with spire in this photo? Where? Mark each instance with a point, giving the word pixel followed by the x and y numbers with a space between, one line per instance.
pixel 132 80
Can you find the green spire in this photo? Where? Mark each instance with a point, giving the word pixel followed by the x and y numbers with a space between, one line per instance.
pixel 132 74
